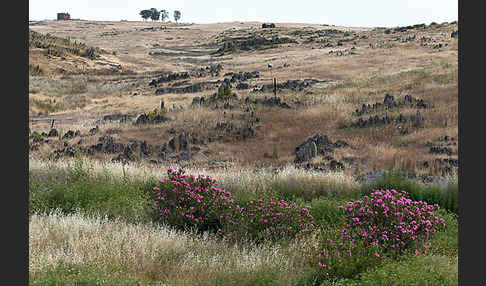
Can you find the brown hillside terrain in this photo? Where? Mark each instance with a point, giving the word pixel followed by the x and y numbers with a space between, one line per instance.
pixel 390 94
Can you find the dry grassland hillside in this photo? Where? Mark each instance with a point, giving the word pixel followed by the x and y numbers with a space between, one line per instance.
pixel 202 95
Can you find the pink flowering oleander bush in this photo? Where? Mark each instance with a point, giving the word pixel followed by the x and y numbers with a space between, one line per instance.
pixel 185 201
pixel 385 223
pixel 269 218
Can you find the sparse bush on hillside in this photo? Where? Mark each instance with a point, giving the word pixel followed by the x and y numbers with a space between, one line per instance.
pixel 224 92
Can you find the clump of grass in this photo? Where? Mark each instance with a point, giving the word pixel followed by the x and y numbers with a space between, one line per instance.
pixel 89 193
pixel 73 274
pixel 414 271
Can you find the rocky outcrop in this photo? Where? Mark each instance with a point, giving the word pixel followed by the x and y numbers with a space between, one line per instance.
pixel 316 145
pixel 71 134
pixel 272 101
pixel 53 133
pixel 251 43
pixel 107 145
pixel 198 100
pixel 390 103
pixel 94 130
pixel 169 77
pixel 66 151
pixel 297 85
pixel 212 70
pixel 117 117
pixel 415 121
pixel 181 147
pixel 147 119
pixel 243 76
pixel 192 88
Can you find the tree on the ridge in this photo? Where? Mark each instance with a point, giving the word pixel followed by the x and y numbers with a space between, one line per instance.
pixel 155 15
pixel 145 14
pixel 164 14
pixel 177 15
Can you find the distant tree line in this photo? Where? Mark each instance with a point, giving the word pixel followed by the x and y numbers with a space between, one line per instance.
pixel 156 15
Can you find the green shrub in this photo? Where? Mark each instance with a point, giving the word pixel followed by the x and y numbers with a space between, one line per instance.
pixel 326 213
pixel 224 93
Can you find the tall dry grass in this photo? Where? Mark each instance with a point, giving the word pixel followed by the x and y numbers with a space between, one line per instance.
pixel 149 250
pixel 236 179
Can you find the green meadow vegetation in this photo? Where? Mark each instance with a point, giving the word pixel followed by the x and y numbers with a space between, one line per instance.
pixel 91 226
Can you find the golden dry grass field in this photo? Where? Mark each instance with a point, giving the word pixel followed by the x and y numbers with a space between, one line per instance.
pixel 351 67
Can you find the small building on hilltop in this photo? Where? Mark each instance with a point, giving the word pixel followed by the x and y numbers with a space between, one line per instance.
pixel 63 16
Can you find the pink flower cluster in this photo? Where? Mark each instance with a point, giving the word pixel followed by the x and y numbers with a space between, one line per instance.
pixel 185 201
pixel 386 221
pixel 390 220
